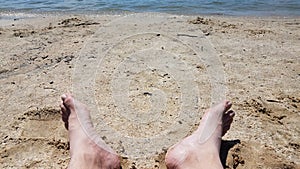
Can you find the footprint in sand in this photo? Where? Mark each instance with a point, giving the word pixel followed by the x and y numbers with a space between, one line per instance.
pixel 42 123
pixel 248 155
pixel 41 135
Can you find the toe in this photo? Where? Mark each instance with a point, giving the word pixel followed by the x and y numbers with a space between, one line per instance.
pixel 227 120
pixel 63 97
pixel 65 113
pixel 220 108
pixel 67 126
pixel 231 113
pixel 63 108
pixel 227 105
pixel 68 101
pixel 65 117
pixel 228 117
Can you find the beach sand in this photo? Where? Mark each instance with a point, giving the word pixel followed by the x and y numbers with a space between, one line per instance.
pixel 256 62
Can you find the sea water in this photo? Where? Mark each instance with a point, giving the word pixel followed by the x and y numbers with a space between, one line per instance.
pixel 187 7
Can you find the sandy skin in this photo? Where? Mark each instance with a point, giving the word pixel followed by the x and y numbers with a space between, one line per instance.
pixel 194 151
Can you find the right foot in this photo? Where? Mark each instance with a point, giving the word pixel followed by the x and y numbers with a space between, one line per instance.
pixel 202 148
pixel 86 148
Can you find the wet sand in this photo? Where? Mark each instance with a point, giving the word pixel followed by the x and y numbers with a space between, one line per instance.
pixel 259 58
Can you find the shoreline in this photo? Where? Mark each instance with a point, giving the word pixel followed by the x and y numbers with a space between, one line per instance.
pixel 28 14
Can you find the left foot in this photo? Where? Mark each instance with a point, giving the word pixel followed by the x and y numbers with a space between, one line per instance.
pixel 86 148
pixel 202 148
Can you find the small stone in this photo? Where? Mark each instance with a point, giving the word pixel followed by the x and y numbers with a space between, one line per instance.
pixel 147 93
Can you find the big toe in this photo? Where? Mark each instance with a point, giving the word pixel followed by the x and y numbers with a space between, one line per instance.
pixel 68 101
pixel 222 107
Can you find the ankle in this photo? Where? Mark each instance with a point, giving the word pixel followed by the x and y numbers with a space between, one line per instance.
pixel 94 157
pixel 84 159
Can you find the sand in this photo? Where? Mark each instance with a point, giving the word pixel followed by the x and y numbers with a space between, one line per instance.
pixel 168 69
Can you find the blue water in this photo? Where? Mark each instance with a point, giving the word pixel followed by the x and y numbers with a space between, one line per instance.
pixel 190 7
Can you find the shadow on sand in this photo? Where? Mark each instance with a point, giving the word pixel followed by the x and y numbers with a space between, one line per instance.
pixel 226 145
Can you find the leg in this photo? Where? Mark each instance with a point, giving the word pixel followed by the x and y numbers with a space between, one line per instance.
pixel 202 148
pixel 86 148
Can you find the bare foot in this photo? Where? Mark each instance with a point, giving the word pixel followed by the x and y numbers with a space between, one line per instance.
pixel 202 148
pixel 86 148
